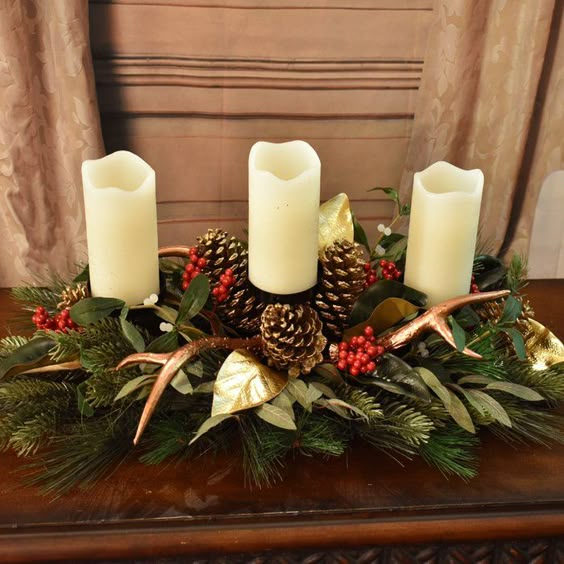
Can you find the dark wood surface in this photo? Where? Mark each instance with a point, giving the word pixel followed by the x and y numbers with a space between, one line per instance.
pixel 363 499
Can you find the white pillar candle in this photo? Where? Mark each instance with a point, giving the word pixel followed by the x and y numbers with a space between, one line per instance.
pixel 445 210
pixel 121 227
pixel 283 216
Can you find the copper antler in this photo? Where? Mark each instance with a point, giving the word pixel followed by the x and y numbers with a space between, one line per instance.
pixel 172 362
pixel 175 251
pixel 435 319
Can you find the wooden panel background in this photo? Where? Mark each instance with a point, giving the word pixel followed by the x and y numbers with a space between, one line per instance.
pixel 191 85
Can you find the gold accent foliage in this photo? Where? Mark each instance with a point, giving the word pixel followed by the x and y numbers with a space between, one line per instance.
pixel 335 221
pixel 72 294
pixel 292 337
pixel 542 346
pixel 385 315
pixel 244 382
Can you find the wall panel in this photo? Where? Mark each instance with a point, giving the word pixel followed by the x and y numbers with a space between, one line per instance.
pixel 190 86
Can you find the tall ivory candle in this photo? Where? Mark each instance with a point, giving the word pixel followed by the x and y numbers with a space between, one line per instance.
pixel 445 210
pixel 121 227
pixel 283 216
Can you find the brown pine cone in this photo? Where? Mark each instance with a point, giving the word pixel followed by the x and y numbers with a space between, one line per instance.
pixel 341 282
pixel 292 337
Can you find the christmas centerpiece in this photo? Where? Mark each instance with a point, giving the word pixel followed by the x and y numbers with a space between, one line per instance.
pixel 299 340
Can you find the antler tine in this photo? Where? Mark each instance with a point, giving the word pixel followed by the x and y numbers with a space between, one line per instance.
pixel 175 251
pixel 435 319
pixel 144 357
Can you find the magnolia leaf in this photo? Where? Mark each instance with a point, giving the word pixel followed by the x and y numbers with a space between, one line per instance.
pixel 458 334
pixel 298 389
pixel 275 416
pixel 133 385
pixel 491 406
pixel 194 299
pixel 30 355
pixel 395 370
pixel 518 342
pixel 330 372
pixel 325 390
pixel 132 334
pixel 511 311
pixel 209 424
pixel 167 342
pixel 384 316
pixel 83 275
pixel 517 390
pixel 377 293
pixel 335 221
pixel 204 388
pixel 284 403
pixel 244 382
pixel 90 310
pixel 181 383
pixel 359 234
pixel 489 272
pixel 84 407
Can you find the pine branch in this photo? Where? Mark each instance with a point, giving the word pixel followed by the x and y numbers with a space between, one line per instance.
pixel 516 277
pixel 453 451
pixel 320 434
pixel 549 383
pixel 9 344
pixel 362 400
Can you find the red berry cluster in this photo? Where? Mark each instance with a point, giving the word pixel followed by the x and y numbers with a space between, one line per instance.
pixel 193 268
pixel 358 356
pixel 60 322
pixel 388 271
pixel 474 287
pixel 223 287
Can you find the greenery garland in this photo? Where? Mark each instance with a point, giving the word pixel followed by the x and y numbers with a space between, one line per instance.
pixel 63 402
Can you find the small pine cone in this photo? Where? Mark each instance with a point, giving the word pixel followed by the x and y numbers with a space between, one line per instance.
pixel 292 337
pixel 341 282
pixel 73 294
pixel 241 310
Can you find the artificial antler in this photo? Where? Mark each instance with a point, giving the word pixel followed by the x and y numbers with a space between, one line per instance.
pixel 435 319
pixel 175 251
pixel 172 362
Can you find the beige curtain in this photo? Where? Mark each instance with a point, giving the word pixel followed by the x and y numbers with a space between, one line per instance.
pixel 49 124
pixel 486 65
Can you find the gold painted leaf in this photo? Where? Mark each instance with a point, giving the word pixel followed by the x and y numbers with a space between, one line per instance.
pixel 543 347
pixel 335 221
pixel 244 382
pixel 385 315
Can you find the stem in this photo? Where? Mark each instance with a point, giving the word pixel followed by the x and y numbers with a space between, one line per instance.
pixel 394 220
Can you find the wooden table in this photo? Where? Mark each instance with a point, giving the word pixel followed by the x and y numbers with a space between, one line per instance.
pixel 363 508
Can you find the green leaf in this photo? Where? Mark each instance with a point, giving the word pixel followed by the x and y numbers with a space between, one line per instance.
pixel 475 379
pixel 133 385
pixel 325 390
pixel 90 310
pixel 360 234
pixel 396 251
pixel 196 368
pixel 380 291
pixel 489 272
pixel 210 424
pixel 313 394
pixel 275 416
pixel 298 390
pixel 83 276
pixel 458 333
pixel 479 407
pixel 284 403
pixel 391 192
pixel 132 334
pixel 181 383
pixel 336 402
pixel 204 388
pixel 452 403
pixel 167 342
pixel 397 371
pixel 491 406
pixel 84 407
pixel 31 354
pixel 467 318
pixel 518 342
pixel 405 210
pixel 330 372
pixel 194 298
pixel 511 310
pixel 517 390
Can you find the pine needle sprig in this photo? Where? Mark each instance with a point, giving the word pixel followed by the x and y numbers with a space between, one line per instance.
pixel 9 344
pixel 453 451
pixel 516 277
pixel 320 434
pixel 30 297
pixel 362 400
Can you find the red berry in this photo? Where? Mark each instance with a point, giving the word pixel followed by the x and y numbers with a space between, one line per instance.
pixel 354 371
pixel 342 365
pixel 379 350
pixel 228 272
pixel 371 366
pixel 368 331
pixel 343 346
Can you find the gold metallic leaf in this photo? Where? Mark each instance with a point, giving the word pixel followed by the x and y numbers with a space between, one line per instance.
pixel 244 382
pixel 385 315
pixel 335 221
pixel 543 347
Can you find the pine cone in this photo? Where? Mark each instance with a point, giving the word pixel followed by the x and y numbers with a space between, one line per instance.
pixel 73 294
pixel 292 337
pixel 221 251
pixel 342 281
